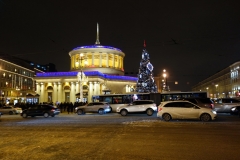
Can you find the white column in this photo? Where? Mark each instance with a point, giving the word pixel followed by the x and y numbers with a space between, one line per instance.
pixel 92 59
pixel 72 91
pixel 38 88
pixel 122 63
pixel 98 88
pixel 118 57
pixel 77 87
pixel 107 60
pixel 95 88
pixel 54 98
pixel 60 92
pixel 100 59
pixel 90 92
pixel 74 61
pixel 113 60
pixel 42 93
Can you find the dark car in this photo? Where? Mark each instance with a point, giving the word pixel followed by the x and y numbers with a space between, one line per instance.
pixel 40 110
pixel 202 102
pixel 236 110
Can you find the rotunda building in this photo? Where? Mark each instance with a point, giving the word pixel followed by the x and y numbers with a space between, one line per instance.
pixel 94 70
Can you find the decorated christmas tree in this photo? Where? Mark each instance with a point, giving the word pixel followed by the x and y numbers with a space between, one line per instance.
pixel 145 82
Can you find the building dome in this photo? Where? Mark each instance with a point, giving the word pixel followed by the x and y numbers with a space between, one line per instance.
pixel 105 59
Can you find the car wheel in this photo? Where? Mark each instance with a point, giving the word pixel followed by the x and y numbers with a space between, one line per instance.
pixel 46 115
pixel 149 112
pixel 101 111
pixel 80 112
pixel 110 110
pixel 166 117
pixel 11 112
pixel 205 117
pixel 123 112
pixel 24 115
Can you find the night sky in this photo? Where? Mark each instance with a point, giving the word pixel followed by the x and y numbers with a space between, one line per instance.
pixel 191 39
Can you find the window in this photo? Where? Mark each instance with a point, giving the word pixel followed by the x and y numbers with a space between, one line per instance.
pixel 117 99
pixel 172 104
pixel 186 105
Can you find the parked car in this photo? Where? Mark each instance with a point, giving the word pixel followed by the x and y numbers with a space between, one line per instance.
pixel 40 110
pixel 138 106
pixel 202 102
pixel 18 109
pixel 97 107
pixel 227 105
pixel 184 110
pixel 236 110
pixel 10 110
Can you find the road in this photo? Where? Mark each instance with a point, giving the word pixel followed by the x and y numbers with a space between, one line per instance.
pixel 111 136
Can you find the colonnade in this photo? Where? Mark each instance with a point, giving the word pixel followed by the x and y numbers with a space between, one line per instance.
pixel 58 91
pixel 105 60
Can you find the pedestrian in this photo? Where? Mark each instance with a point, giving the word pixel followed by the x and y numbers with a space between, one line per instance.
pixel 68 108
pixel 71 107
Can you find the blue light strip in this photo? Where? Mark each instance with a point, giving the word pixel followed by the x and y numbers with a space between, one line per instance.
pixel 88 73
pixel 97 46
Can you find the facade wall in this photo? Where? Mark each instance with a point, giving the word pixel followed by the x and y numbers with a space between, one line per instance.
pixel 61 87
pixel 225 83
pixel 109 61
pixel 15 82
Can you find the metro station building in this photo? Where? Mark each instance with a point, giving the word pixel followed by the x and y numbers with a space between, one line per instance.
pixel 101 69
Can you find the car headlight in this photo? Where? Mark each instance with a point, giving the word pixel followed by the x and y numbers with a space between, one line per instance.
pixel 214 112
pixel 233 109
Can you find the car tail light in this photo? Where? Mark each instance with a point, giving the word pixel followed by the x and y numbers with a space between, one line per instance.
pixel 53 110
pixel 159 109
pixel 212 105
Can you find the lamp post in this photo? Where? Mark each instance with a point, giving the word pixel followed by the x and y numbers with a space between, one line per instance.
pixel 165 87
pixel 207 91
pixel 81 77
pixel 17 89
pixel 2 96
pixel 216 90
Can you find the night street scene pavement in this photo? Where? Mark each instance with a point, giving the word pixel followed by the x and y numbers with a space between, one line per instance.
pixel 111 136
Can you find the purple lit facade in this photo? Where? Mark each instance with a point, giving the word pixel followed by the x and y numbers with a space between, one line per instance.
pixel 92 73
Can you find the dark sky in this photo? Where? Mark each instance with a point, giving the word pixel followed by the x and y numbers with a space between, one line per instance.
pixel 191 39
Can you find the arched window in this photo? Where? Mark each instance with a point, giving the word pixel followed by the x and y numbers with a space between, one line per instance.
pixel 66 88
pixel 85 87
pixel 49 88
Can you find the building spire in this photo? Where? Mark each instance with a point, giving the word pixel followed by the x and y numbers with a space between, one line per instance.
pixel 97 40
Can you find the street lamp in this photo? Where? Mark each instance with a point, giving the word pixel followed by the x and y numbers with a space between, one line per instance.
pixel 81 77
pixel 2 96
pixel 18 89
pixel 165 80
pixel 216 90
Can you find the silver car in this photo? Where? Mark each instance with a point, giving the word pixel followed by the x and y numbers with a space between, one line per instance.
pixel 226 105
pixel 10 110
pixel 184 110
pixel 98 107
pixel 138 106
